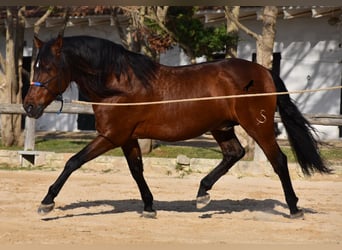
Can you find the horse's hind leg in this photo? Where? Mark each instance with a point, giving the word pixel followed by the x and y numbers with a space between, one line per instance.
pixel 133 156
pixel 232 152
pixel 265 137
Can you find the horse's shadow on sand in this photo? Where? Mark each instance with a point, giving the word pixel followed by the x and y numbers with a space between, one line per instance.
pixel 268 206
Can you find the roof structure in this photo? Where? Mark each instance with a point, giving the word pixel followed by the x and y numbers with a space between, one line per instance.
pixel 211 15
pixel 214 15
pixel 78 15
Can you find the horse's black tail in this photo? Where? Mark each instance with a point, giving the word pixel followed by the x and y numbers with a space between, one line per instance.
pixel 299 133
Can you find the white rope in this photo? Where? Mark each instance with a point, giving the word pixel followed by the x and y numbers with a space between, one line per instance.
pixel 207 98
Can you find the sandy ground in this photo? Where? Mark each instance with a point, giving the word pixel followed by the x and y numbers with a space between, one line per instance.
pixel 105 208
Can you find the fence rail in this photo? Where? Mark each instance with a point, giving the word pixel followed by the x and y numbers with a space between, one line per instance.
pixel 68 108
pixel 28 154
pixel 73 108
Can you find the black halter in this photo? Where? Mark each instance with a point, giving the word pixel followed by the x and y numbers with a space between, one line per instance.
pixel 58 96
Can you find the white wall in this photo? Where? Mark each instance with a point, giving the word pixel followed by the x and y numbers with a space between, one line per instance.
pixel 176 57
pixel 311 58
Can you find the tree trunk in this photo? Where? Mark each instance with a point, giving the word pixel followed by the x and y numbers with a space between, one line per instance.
pixel 7 134
pixel 6 120
pixel 17 88
pixel 266 42
pixel 11 132
pixel 232 28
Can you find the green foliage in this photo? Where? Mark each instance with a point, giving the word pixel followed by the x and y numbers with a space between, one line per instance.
pixel 216 39
pixel 197 39
pixel 153 27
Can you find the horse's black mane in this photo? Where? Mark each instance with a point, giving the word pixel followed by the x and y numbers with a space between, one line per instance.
pixel 95 59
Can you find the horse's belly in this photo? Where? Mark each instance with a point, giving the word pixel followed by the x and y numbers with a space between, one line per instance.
pixel 178 129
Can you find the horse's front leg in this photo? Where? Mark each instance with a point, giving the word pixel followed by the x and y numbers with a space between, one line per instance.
pixel 95 148
pixel 133 156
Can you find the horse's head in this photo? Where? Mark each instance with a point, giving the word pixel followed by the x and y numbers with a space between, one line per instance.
pixel 50 77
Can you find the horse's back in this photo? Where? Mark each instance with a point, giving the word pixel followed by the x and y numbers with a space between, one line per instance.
pixel 228 75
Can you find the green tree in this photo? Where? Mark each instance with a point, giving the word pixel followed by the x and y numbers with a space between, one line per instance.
pixel 194 37
pixel 160 27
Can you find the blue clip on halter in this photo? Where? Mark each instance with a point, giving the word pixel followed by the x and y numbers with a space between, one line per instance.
pixel 38 84
pixel 59 96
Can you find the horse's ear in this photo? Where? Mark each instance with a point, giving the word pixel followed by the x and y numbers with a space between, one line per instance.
pixel 57 46
pixel 37 42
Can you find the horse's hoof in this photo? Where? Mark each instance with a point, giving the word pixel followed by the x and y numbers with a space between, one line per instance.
pixel 298 215
pixel 202 201
pixel 149 214
pixel 45 208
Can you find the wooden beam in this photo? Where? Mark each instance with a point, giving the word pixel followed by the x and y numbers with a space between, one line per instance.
pixel 69 108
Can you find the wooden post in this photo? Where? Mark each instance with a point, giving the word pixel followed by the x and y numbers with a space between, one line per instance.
pixel 28 155
pixel 30 129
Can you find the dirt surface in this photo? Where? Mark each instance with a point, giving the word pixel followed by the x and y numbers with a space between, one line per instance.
pixel 105 208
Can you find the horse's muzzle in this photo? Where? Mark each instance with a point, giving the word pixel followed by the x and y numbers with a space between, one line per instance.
pixel 33 111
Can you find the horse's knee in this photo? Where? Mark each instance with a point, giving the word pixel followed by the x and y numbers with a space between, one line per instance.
pixel 73 164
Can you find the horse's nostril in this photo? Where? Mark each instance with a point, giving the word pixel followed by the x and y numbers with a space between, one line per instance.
pixel 28 108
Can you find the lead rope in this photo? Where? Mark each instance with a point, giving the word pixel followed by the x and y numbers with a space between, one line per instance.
pixel 60 99
pixel 207 98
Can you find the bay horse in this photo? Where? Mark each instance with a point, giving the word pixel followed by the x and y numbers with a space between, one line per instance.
pixel 108 73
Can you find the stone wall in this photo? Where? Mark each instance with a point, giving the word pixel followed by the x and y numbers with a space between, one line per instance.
pixel 169 166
